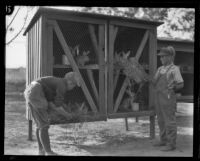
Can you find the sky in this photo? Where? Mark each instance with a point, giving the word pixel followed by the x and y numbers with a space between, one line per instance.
pixel 16 51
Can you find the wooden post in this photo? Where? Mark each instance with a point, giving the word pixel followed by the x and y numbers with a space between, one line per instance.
pixel 112 36
pixel 152 70
pixel 152 127
pixel 101 45
pixel 30 130
pixel 126 123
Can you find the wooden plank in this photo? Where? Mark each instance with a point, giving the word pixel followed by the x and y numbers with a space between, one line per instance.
pixel 94 88
pixel 44 46
pixel 77 19
pixel 132 24
pixel 91 67
pixel 152 70
pixel 50 49
pixel 152 63
pixel 106 67
pixel 73 63
pixel 131 114
pixel 39 47
pixel 36 52
pixel 94 40
pixel 121 93
pixel 31 55
pixel 27 59
pixel 116 78
pixel 142 44
pixel 112 36
pixel 101 44
pixel 110 69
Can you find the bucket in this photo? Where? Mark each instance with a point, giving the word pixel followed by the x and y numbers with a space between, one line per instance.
pixel 65 60
pixel 134 106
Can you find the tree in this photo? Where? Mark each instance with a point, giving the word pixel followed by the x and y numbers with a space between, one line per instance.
pixel 11 31
pixel 178 22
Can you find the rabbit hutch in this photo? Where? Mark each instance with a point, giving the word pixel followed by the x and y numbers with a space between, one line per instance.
pixel 60 41
pixel 185 60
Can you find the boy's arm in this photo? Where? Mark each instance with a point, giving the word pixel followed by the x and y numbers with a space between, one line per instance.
pixel 60 110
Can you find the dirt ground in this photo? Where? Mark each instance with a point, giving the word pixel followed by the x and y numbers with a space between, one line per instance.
pixel 103 138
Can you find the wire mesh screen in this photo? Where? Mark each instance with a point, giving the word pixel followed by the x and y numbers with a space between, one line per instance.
pixel 78 37
pixel 126 45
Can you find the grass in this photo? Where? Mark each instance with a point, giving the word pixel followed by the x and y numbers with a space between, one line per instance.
pixel 15 80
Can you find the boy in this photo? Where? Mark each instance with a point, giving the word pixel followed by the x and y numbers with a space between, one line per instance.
pixel 166 81
pixel 39 95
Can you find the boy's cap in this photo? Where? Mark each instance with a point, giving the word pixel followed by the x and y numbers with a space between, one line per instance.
pixel 73 76
pixel 167 51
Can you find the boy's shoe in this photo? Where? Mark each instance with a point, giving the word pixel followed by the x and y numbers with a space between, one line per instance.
pixel 41 152
pixel 159 144
pixel 168 148
pixel 51 153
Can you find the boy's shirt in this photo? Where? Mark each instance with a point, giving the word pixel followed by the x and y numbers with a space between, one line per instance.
pixel 173 73
pixel 52 87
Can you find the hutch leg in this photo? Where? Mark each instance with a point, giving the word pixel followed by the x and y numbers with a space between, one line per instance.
pixel 30 130
pixel 152 127
pixel 126 123
pixel 136 119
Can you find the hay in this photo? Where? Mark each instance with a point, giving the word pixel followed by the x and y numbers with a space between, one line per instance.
pixel 133 70
pixel 76 111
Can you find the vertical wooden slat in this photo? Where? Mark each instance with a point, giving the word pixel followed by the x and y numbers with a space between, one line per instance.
pixel 152 70
pixel 27 62
pixel 38 71
pixel 40 47
pixel 44 46
pixel 110 69
pixel 50 49
pixel 36 52
pixel 38 40
pixel 73 64
pixel 106 67
pixel 101 69
pixel 31 55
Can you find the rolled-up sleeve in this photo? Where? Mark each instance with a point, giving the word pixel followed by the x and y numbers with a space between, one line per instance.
pixel 177 75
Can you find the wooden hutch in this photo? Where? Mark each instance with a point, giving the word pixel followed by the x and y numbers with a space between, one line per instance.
pixel 53 32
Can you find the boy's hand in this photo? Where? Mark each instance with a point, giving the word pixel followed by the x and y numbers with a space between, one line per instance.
pixel 58 100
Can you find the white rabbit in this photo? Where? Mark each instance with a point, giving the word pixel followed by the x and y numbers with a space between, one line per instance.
pixel 82 59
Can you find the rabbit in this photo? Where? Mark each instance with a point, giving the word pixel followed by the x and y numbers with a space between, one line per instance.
pixel 126 55
pixel 82 59
pixel 74 51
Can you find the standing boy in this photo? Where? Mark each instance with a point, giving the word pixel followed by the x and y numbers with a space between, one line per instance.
pixel 166 81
